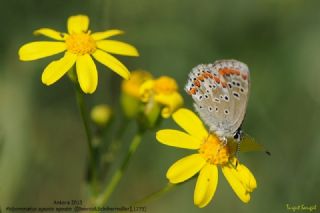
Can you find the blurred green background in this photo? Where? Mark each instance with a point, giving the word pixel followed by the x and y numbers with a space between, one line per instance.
pixel 42 142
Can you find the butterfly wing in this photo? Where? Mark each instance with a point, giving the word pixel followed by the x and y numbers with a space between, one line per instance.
pixel 220 91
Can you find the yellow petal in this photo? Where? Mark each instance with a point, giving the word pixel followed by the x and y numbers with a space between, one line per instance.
pixel 190 122
pixel 111 62
pixel 117 47
pixel 56 69
pixel 78 24
pixel 146 90
pixel 171 102
pixel 185 168
pixel 87 73
pixel 206 185
pixel 106 34
pixel 40 49
pixel 236 184
pixel 177 138
pixel 246 177
pixel 50 33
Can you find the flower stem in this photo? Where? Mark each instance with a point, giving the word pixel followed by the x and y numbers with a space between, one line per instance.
pixel 92 173
pixel 116 143
pixel 155 195
pixel 104 197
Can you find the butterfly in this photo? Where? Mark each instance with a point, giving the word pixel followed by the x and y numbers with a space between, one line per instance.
pixel 220 92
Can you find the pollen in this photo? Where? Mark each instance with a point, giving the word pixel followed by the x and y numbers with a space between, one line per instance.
pixel 80 44
pixel 213 151
pixel 165 85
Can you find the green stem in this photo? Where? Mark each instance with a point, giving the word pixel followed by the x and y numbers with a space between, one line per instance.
pixel 92 179
pixel 155 195
pixel 104 197
pixel 115 144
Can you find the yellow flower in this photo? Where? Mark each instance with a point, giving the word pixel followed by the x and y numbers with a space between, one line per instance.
pixel 211 154
pixel 132 86
pixel 79 45
pixel 163 91
pixel 130 96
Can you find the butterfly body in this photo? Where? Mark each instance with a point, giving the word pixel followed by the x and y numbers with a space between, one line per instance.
pixel 220 93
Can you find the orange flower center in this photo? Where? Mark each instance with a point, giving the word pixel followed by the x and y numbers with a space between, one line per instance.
pixel 80 44
pixel 165 85
pixel 214 151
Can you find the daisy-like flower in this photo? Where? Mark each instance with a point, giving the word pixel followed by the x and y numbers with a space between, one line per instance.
pixel 163 91
pixel 79 45
pixel 211 154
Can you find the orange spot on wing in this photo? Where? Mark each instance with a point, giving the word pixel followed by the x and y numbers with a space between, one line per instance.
pixel 222 71
pixel 201 78
pixel 224 84
pixel 192 91
pixel 237 72
pixel 210 75
pixel 226 71
pixel 197 83
pixel 206 75
pixel 216 79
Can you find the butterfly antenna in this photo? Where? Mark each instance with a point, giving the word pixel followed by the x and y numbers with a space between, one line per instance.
pixel 237 153
pixel 238 138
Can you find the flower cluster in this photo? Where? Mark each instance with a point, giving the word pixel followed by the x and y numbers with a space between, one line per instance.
pixel 144 95
pixel 164 91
